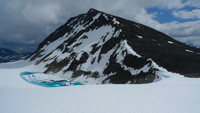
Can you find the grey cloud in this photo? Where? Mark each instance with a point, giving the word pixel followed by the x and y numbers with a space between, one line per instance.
pixel 194 14
pixel 50 11
pixel 187 32
pixel 182 29
pixel 193 3
pixel 194 40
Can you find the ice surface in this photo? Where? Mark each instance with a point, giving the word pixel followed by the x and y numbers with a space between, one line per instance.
pixel 172 94
pixel 189 51
pixel 170 42
pixel 130 50
pixel 139 36
pixel 97 16
pixel 106 17
pixel 115 21
pixel 154 40
pixel 94 36
pixel 46 80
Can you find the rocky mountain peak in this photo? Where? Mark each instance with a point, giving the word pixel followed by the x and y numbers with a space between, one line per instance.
pixel 96 47
pixel 94 11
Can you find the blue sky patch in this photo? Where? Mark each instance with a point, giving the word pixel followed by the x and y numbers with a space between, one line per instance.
pixel 166 15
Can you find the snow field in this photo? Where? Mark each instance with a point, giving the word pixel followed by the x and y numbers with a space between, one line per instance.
pixel 172 94
pixel 150 98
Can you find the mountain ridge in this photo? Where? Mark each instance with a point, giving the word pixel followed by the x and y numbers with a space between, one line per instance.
pixel 7 55
pixel 102 48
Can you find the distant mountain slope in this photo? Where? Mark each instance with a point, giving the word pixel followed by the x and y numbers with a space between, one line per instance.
pixel 7 55
pixel 96 47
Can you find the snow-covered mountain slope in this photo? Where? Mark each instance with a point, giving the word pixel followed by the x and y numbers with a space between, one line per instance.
pixel 96 47
pixel 175 94
pixel 10 56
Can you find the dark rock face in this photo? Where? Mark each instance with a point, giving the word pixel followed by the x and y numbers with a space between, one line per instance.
pixel 134 62
pixel 96 47
pixel 167 52
pixel 7 55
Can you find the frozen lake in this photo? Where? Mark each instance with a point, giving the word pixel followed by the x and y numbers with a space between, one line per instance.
pixel 41 79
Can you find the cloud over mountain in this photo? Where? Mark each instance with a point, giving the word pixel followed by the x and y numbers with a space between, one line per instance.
pixel 35 19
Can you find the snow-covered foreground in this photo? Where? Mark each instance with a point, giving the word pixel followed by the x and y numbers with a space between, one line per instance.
pixel 175 94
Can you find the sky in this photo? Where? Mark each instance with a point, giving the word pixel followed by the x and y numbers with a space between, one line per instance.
pixel 26 23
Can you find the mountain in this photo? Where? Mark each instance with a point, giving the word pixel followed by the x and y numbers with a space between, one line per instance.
pixel 96 47
pixel 7 55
